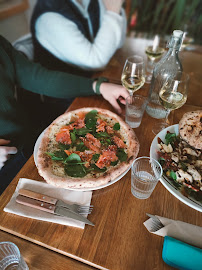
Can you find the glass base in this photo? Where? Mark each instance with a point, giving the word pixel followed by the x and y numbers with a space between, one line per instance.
pixel 158 127
pixel 148 78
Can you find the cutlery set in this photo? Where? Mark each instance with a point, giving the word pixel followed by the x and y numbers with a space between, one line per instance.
pixel 156 224
pixel 54 206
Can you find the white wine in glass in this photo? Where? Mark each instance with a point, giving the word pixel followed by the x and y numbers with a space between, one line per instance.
pixel 172 96
pixel 133 75
pixel 154 54
pixel 173 100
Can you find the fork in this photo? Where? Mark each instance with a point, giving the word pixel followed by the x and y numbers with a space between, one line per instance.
pixel 81 209
pixel 155 223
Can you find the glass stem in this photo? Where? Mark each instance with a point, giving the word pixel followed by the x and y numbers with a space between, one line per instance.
pixel 130 93
pixel 166 117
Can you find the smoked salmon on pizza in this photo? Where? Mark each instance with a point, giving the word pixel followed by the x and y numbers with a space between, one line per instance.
pixel 86 148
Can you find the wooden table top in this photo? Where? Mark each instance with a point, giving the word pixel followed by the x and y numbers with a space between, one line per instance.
pixel 38 257
pixel 119 239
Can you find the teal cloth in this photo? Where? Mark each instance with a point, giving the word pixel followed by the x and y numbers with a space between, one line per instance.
pixel 181 255
pixel 17 72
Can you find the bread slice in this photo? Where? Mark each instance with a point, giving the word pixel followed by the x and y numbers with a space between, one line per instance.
pixel 190 128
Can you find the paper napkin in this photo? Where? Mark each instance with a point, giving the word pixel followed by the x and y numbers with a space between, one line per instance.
pixel 182 231
pixel 68 196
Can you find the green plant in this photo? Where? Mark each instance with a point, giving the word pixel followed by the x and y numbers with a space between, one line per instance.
pixel 163 16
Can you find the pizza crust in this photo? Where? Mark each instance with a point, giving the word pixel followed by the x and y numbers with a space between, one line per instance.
pixel 65 181
pixel 190 128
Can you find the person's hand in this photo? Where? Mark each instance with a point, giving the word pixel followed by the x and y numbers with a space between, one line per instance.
pixel 113 92
pixel 113 5
pixel 5 151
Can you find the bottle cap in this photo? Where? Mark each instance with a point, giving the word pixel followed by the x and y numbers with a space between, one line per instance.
pixel 177 33
pixel 176 40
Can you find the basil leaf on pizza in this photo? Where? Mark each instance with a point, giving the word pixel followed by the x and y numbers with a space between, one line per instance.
pixel 116 126
pixel 73 158
pixel 75 170
pixel 88 147
pixel 58 155
pixel 90 119
pixel 81 147
pixel 121 154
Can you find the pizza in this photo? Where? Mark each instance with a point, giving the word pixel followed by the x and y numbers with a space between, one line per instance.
pixel 190 128
pixel 86 148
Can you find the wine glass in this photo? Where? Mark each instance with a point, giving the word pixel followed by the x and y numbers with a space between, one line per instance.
pixel 172 96
pixel 153 56
pixel 187 38
pixel 133 75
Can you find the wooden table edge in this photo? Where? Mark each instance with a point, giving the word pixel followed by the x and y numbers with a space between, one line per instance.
pixel 53 249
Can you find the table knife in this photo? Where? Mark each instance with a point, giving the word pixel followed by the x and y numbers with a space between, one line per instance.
pixel 44 198
pixel 50 208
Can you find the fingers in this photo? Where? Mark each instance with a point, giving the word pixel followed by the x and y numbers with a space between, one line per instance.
pixel 7 150
pixel 4 142
pixel 122 100
pixel 12 150
pixel 1 164
pixel 112 93
pixel 123 92
pixel 115 104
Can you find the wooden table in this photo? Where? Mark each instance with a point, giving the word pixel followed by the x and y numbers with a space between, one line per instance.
pixel 119 239
pixel 39 258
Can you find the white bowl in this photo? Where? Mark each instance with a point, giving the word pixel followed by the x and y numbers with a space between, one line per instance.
pixel 164 180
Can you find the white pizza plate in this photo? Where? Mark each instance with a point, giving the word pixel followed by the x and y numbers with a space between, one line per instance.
pixel 36 148
pixel 164 180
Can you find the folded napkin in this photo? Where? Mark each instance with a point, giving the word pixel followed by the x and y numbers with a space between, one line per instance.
pixel 181 255
pixel 68 196
pixel 182 231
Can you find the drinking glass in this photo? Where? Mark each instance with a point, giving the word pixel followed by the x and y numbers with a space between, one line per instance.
pixel 172 96
pixel 187 38
pixel 135 107
pixel 133 74
pixel 10 257
pixel 154 54
pixel 145 174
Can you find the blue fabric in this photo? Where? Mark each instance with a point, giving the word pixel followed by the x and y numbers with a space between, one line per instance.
pixel 181 255
pixel 10 169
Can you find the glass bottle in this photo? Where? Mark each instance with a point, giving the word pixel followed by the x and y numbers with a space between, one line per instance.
pixel 168 66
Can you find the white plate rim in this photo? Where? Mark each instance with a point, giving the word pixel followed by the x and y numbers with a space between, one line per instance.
pixel 36 148
pixel 174 191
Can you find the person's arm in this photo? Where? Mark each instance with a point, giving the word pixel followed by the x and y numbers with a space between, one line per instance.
pixel 5 151
pixel 63 39
pixel 35 78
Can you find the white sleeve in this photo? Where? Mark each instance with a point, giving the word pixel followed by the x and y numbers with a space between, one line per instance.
pixel 124 28
pixel 63 39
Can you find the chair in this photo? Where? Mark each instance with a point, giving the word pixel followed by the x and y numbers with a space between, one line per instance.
pixel 25 45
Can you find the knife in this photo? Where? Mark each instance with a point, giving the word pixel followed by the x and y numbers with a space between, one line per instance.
pixel 50 208
pixel 45 198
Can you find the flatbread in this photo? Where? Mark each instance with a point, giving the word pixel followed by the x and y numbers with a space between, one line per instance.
pixel 190 128
pixel 53 172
